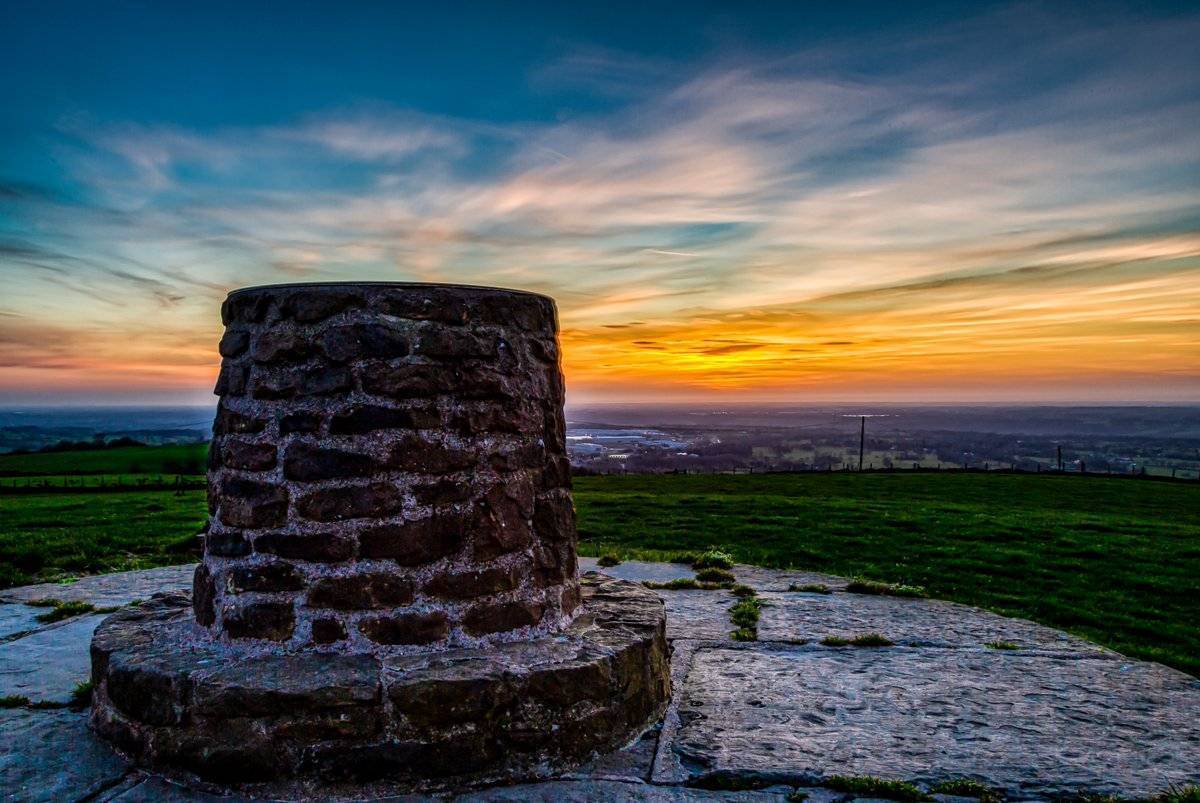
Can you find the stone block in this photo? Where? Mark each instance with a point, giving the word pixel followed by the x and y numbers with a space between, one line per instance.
pixel 377 500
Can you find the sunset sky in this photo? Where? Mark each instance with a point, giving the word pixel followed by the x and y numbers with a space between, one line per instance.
pixel 807 202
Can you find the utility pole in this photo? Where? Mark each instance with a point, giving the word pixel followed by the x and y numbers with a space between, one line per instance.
pixel 1060 465
pixel 862 435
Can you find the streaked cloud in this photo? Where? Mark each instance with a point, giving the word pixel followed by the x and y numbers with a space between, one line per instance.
pixel 1013 210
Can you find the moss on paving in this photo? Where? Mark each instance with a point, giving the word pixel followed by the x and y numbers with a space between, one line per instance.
pixel 810 588
pixel 1002 645
pixel 965 787
pixel 868 785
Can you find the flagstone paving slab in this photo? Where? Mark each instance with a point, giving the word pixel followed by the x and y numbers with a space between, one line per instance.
pixel 52 756
pixel 17 620
pixel 48 664
pixel 915 622
pixel 1032 725
pixel 107 590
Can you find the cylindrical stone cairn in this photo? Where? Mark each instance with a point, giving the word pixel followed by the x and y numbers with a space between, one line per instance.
pixel 388 470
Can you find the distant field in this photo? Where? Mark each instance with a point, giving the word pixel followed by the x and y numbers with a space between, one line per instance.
pixel 173 459
pixel 1114 560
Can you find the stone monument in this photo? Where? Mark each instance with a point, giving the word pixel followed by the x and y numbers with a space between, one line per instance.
pixel 389 591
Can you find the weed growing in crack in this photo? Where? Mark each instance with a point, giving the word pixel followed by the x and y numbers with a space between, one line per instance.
pixel 865 640
pixel 65 610
pixel 810 588
pixel 607 560
pixel 685 584
pixel 1003 645
pixel 744 614
pixel 861 585
pixel 965 787
pixel 713 575
pixel 81 695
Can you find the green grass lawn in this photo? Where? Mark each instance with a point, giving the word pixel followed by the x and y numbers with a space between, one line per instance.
pixel 1115 561
pixel 57 535
pixel 173 459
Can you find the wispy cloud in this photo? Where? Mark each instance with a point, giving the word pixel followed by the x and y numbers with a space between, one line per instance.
pixel 1017 195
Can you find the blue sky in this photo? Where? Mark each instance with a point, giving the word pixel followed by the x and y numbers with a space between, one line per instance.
pixel 961 202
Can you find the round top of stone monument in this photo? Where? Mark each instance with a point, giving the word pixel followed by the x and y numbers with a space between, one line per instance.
pixel 368 285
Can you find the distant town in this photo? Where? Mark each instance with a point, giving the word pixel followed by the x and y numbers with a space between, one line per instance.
pixel 1152 441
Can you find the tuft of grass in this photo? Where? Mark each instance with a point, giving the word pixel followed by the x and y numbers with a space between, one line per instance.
pixel 65 610
pixel 865 640
pixel 861 585
pixel 685 584
pixel 740 590
pixel 965 787
pixel 1003 645
pixel 714 575
pixel 1178 794
pixel 81 695
pixel 684 557
pixel 14 701
pixel 797 796
pixel 608 559
pixel 44 705
pixel 810 588
pixel 713 559
pixel 44 602
pixel 746 612
pixel 869 785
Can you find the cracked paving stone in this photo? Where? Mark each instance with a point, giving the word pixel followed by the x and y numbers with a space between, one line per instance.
pixel 1034 725
pixel 52 756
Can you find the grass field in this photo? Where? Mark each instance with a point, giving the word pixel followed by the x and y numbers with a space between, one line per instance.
pixel 55 535
pixel 1116 561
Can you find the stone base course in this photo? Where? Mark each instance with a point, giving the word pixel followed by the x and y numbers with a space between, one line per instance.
pixel 515 710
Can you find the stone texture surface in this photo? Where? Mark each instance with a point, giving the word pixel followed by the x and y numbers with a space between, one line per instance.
pixel 51 756
pixel 107 590
pixel 372 437
pixel 1129 710
pixel 17 620
pixel 916 622
pixel 517 709
pixel 47 665
pixel 1031 725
